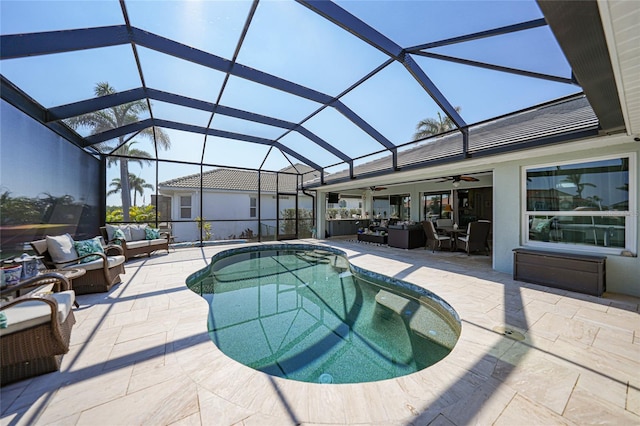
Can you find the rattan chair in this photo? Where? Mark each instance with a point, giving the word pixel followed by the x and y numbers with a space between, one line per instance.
pixel 477 237
pixel 99 278
pixel 435 240
pixel 38 330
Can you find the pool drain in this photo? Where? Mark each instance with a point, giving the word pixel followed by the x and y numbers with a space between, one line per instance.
pixel 510 333
pixel 326 378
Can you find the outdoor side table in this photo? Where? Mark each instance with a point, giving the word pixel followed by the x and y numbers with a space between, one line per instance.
pixel 69 274
pixel 27 285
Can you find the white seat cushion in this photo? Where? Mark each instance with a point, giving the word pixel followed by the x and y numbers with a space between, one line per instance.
pixel 97 264
pixel 36 312
pixel 138 244
pixel 145 243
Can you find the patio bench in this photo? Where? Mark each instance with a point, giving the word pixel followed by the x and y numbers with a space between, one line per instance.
pixel 136 240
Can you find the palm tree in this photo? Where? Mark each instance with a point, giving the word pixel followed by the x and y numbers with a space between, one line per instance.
pixel 575 178
pixel 115 117
pixel 136 184
pixel 432 126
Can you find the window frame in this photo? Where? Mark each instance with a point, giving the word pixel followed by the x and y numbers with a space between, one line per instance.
pixel 253 207
pixel 183 206
pixel 630 222
pixel 441 194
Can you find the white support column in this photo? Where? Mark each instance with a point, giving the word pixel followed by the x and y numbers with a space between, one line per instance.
pixel 321 215
pixel 415 205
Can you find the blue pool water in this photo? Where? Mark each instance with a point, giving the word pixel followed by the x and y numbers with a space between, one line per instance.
pixel 306 314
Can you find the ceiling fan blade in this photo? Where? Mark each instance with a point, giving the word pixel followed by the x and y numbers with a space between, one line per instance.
pixel 469 178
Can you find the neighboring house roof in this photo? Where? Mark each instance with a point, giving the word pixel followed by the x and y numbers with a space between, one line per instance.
pixel 564 117
pixel 238 180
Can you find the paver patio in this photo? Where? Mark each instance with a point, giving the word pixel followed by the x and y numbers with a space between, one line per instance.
pixel 141 355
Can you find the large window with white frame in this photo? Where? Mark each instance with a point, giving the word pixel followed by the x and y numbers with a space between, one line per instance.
pixel 584 206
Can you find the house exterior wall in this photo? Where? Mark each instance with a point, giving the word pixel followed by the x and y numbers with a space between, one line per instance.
pixel 621 271
pixel 508 215
pixel 234 207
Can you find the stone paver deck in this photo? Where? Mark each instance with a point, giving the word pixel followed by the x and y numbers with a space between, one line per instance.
pixel 141 355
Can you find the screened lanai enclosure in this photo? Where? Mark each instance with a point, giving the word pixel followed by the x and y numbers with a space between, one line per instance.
pixel 224 120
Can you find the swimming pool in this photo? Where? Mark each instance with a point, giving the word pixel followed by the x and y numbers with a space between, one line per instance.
pixel 302 312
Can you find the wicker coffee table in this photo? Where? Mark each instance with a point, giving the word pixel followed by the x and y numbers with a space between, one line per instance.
pixel 373 238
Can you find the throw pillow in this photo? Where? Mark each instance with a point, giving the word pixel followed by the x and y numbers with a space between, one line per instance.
pixel 137 232
pixel 118 234
pixel 152 233
pixel 61 248
pixel 87 247
pixel 111 231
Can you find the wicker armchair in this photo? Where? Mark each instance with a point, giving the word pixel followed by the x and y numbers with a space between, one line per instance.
pixel 477 237
pixel 101 274
pixel 38 330
pixel 433 238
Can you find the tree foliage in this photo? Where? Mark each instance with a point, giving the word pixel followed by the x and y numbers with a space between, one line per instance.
pixel 434 126
pixel 136 183
pixel 113 118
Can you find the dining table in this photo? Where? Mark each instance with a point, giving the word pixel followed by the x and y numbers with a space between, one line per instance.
pixel 453 232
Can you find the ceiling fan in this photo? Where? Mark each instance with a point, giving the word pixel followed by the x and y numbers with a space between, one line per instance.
pixel 377 188
pixel 459 178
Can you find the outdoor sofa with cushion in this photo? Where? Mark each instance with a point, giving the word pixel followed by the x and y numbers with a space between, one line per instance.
pixel 136 239
pixel 103 264
pixel 35 329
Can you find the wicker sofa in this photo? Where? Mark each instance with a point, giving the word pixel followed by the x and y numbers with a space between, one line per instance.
pixel 101 274
pixel 37 330
pixel 136 241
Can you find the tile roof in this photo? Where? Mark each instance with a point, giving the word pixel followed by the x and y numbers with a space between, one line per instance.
pixel 566 116
pixel 227 179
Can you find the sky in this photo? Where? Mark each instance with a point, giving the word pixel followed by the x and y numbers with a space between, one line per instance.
pixel 288 40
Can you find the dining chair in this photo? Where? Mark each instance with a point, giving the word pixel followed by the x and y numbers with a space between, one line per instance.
pixel 433 238
pixel 477 236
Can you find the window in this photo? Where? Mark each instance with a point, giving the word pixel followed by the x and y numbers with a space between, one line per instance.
pixel 584 206
pixel 185 207
pixel 253 207
pixel 436 206
pixel 400 206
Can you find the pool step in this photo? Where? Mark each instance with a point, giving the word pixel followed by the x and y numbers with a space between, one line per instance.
pixel 420 319
pixel 314 257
